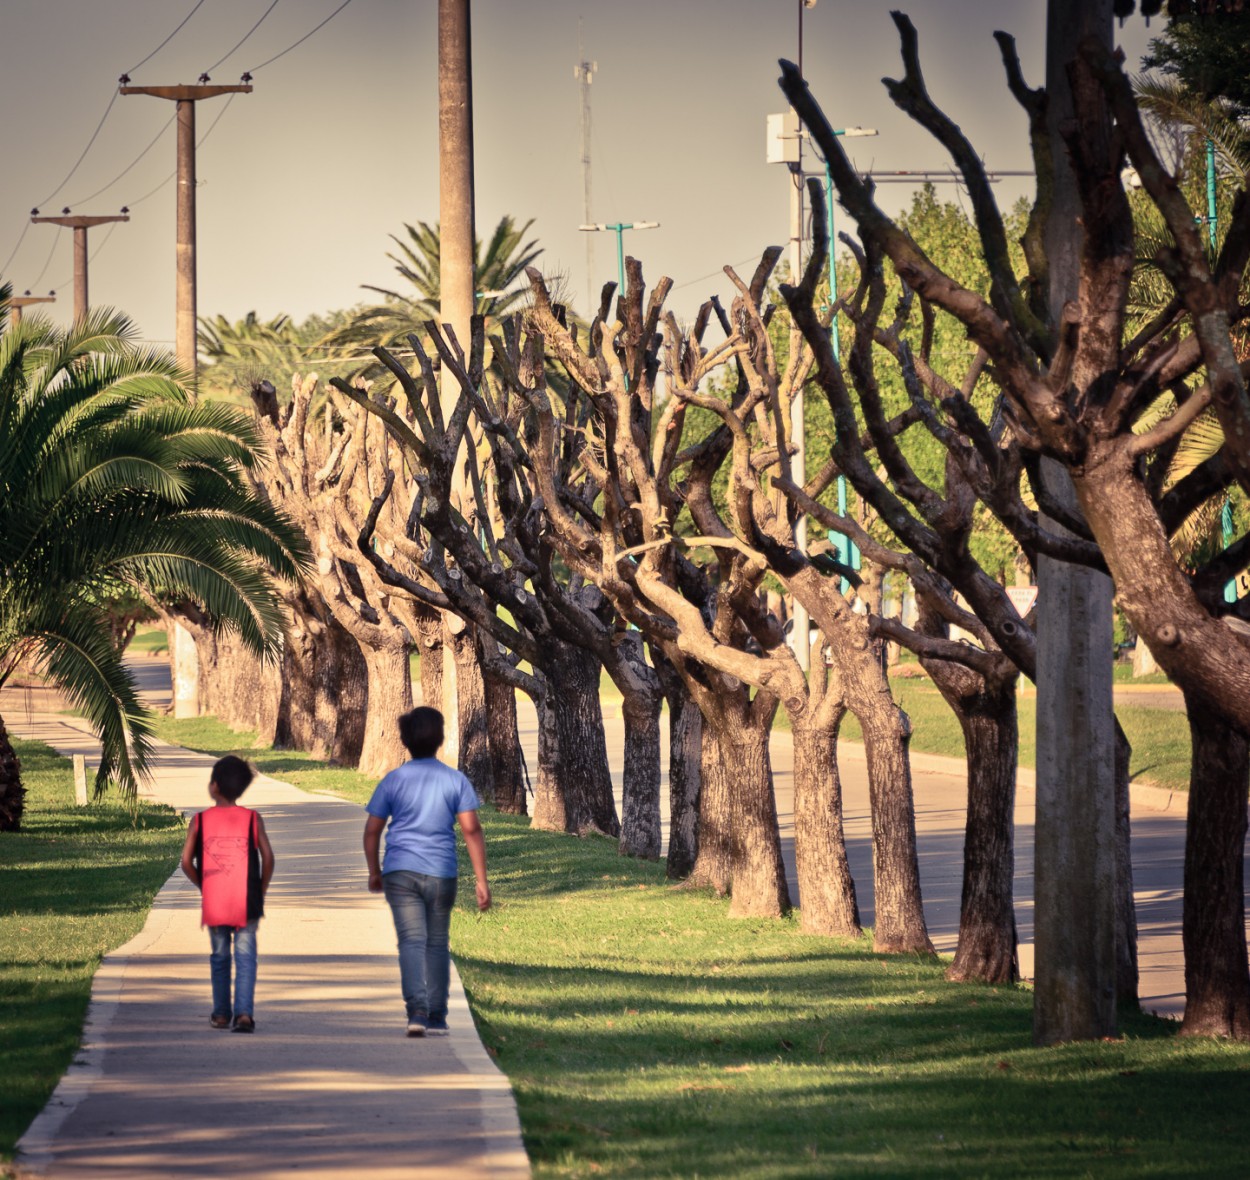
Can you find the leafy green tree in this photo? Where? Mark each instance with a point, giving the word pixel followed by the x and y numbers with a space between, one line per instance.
pixel 110 476
pixel 1206 53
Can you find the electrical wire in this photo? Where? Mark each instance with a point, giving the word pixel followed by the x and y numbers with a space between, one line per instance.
pixel 245 37
pixel 199 144
pixel 168 39
pixel 301 41
pixel 94 135
pixel 5 268
pixel 48 261
pixel 104 241
pixel 717 274
pixel 129 166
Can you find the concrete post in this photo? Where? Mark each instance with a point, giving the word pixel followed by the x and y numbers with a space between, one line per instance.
pixel 185 666
pixel 80 780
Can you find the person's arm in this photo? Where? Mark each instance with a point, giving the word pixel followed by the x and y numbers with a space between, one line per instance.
pixel 266 856
pixel 475 843
pixel 373 839
pixel 189 866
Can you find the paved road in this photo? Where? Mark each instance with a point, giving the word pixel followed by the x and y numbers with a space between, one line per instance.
pixel 328 1087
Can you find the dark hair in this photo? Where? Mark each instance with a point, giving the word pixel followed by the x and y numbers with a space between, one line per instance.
pixel 421 731
pixel 233 776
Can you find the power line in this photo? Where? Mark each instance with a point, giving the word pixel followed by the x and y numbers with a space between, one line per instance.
pixel 168 39
pixel 47 261
pixel 94 136
pixel 5 268
pixel 200 144
pixel 96 252
pixel 301 41
pixel 105 188
pixel 716 274
pixel 245 37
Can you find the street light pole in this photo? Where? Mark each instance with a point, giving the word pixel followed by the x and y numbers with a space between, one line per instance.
pixel 619 228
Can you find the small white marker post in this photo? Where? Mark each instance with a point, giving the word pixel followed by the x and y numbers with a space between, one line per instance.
pixel 80 780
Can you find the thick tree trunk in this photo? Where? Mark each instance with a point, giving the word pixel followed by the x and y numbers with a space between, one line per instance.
pixel 685 776
pixel 1213 930
pixel 506 759
pixel 549 809
pixel 986 710
pixel 474 759
pixel 739 842
pixel 1125 907
pixel 342 695
pixel 297 712
pixel 899 924
pixel 640 799
pixel 827 903
pixel 431 648
pixel 390 694
pixel 12 792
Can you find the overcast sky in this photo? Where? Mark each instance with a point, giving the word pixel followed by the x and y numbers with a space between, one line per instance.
pixel 301 181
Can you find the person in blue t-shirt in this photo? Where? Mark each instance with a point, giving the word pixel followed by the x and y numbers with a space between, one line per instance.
pixel 423 800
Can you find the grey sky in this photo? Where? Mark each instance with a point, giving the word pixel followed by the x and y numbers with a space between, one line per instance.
pixel 302 180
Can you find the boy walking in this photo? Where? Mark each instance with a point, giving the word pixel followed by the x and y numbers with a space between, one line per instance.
pixel 423 799
pixel 227 856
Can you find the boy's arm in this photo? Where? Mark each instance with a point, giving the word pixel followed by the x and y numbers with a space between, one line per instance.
pixel 266 856
pixel 475 844
pixel 372 841
pixel 189 866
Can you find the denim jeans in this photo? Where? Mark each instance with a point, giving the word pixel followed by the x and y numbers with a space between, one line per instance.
pixel 421 906
pixel 244 968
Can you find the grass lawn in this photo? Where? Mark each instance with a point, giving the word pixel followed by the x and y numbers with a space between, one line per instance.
pixel 75 883
pixel 648 1034
pixel 150 641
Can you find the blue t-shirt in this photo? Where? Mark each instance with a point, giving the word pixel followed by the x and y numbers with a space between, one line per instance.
pixel 422 799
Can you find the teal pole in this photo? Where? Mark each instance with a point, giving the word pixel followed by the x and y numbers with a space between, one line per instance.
pixel 620 229
pixel 1211 192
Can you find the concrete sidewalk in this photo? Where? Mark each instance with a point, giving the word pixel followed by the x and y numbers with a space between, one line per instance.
pixel 328 1086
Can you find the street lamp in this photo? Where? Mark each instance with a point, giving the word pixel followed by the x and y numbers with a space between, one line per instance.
pixel 619 229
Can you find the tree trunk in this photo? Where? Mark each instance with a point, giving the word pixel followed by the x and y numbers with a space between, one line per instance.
pixel 390 694
pixel 640 800
pixel 827 903
pixel 12 792
pixel 474 759
pixel 431 647
pixel 342 698
pixel 739 843
pixel 1213 922
pixel 549 809
pixel 1125 906
pixel 899 924
pixel 986 710
pixel 685 777
pixel 584 781
pixel 506 759
pixel 296 728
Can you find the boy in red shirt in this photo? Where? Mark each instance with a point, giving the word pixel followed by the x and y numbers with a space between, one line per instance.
pixel 228 857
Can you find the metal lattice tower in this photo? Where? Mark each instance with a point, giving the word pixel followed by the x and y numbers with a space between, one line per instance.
pixel 584 72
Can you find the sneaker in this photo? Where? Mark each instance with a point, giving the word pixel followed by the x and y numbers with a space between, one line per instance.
pixel 244 1024
pixel 436 1024
pixel 417 1025
pixel 218 1021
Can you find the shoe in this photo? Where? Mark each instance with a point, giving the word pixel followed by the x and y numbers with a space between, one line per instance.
pixel 244 1024
pixel 437 1024
pixel 219 1021
pixel 417 1025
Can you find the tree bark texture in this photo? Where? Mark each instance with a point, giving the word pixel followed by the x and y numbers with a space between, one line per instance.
pixel 506 759
pixel 549 809
pixel 1125 906
pixel 986 710
pixel 715 851
pixel 685 774
pixel 12 792
pixel 474 745
pixel 827 902
pixel 390 694
pixel 640 799
pixel 1213 921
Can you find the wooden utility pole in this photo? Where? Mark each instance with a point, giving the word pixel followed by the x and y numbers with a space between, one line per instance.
pixel 80 223
pixel 186 97
pixel 19 301
pixel 456 233
pixel 1074 994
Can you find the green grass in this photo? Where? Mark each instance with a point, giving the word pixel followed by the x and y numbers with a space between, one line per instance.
pixel 648 1034
pixel 150 641
pixel 75 883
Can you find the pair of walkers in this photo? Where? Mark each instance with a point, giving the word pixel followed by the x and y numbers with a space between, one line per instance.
pixel 229 857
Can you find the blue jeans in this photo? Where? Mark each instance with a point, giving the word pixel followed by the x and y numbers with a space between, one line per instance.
pixel 244 968
pixel 421 906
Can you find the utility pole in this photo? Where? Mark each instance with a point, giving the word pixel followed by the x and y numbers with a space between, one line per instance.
pixel 456 278
pixel 80 223
pixel 186 97
pixel 20 301
pixel 1074 993
pixel 584 72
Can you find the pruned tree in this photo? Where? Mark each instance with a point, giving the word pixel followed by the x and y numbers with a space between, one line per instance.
pixel 1074 392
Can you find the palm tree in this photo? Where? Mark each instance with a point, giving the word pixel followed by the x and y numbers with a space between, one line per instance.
pixel 110 475
pixel 418 260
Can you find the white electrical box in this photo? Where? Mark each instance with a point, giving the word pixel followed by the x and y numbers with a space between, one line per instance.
pixel 782 144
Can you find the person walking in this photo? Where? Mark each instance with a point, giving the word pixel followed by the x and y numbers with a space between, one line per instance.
pixel 228 857
pixel 422 801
